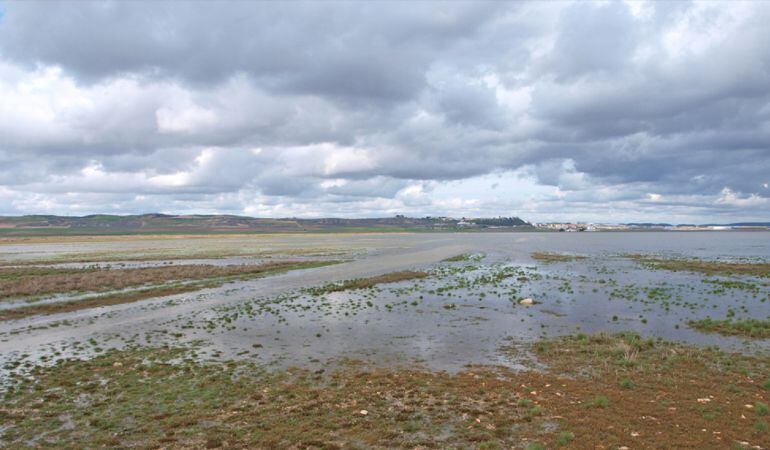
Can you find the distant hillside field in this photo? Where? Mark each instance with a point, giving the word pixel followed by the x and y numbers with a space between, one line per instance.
pixel 42 225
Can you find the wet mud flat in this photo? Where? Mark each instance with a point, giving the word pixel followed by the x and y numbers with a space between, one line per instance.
pixel 454 357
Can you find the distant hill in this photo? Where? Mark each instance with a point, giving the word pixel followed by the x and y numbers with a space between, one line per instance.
pixel 664 225
pixel 649 225
pixel 744 224
pixel 164 223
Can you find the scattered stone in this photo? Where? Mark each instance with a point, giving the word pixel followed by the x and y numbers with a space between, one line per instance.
pixel 527 301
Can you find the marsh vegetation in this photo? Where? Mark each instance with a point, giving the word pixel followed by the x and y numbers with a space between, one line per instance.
pixel 439 350
pixel 714 267
pixel 162 397
pixel 150 283
pixel 555 257
pixel 752 328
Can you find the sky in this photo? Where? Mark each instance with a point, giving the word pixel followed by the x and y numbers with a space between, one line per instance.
pixel 551 111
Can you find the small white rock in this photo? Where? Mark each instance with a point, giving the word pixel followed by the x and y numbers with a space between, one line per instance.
pixel 527 301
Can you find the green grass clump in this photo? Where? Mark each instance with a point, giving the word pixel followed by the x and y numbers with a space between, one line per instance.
pixel 600 402
pixel 565 437
pixel 524 402
pixel 752 328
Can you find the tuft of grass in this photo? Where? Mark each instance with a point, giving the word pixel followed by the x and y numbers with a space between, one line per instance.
pixel 761 408
pixel 565 437
pixel 535 446
pixel 626 383
pixel 600 402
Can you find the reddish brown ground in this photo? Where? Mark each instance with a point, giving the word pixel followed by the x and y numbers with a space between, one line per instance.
pixel 30 281
pixel 679 397
pixel 87 280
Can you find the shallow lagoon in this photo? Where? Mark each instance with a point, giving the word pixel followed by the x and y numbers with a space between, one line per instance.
pixel 462 314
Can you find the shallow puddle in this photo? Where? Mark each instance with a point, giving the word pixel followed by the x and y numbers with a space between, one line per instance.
pixel 462 314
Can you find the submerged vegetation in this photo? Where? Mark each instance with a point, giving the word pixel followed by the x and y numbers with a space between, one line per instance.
pixel 757 269
pixel 752 328
pixel 100 300
pixel 555 257
pixel 161 397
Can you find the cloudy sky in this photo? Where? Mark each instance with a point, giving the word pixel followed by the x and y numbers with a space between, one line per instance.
pixel 606 111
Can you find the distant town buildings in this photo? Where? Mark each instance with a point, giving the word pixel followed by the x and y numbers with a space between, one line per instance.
pixel 582 226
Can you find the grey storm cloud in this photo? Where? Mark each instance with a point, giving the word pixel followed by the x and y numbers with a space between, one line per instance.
pixel 346 50
pixel 374 108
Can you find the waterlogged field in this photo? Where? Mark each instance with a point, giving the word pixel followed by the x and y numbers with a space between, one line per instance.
pixel 510 340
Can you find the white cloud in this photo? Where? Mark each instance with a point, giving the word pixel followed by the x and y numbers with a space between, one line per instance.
pixel 184 119
pixel 491 109
pixel 730 198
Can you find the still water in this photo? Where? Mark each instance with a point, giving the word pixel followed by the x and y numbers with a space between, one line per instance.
pixel 462 314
